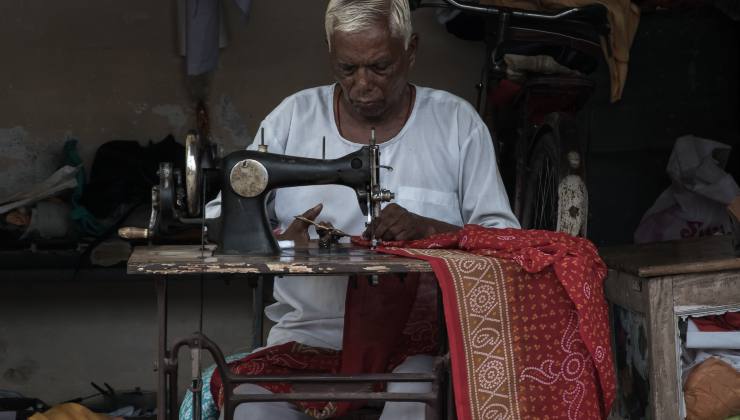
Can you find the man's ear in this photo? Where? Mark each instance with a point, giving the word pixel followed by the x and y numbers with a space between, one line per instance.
pixel 411 50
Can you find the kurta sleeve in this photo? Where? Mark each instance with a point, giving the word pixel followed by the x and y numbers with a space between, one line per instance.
pixel 483 198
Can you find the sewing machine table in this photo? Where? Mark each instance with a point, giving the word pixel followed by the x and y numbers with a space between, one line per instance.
pixel 164 261
pixel 342 259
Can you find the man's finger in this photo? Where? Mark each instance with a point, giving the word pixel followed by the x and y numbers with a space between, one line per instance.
pixel 404 235
pixel 298 225
pixel 381 227
pixel 313 212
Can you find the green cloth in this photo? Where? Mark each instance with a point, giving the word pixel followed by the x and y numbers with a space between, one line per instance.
pixel 85 220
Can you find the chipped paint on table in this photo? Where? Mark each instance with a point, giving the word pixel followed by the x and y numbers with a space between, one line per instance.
pixel 342 259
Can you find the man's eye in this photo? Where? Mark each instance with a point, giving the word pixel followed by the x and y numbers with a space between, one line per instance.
pixel 381 68
pixel 347 69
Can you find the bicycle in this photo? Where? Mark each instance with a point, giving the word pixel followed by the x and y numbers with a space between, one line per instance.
pixel 540 147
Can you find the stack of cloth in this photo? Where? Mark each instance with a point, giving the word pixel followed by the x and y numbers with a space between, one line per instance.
pixel 714 332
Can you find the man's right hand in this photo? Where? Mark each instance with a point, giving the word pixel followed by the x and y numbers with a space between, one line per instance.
pixel 298 230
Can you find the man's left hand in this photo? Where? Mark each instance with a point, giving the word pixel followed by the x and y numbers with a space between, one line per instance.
pixel 395 223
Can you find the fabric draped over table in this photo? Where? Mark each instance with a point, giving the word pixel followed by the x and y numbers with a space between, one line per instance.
pixel 526 318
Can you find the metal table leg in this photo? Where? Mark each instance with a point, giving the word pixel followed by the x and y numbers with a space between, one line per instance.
pixel 445 394
pixel 161 364
pixel 258 303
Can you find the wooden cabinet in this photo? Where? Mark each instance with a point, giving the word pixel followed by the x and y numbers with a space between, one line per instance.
pixel 650 288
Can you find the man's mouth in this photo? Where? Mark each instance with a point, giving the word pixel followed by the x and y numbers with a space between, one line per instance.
pixel 369 108
pixel 367 104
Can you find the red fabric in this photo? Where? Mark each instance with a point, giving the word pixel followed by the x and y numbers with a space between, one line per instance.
pixel 575 264
pixel 371 344
pixel 558 359
pixel 288 358
pixel 729 321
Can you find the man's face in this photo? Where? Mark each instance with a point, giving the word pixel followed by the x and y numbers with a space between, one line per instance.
pixel 372 68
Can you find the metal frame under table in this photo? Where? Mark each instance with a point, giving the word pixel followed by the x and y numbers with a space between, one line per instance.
pixel 167 261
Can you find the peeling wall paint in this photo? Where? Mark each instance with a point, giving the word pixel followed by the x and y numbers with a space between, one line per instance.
pixel 22 372
pixel 25 160
pixel 231 125
pixel 174 114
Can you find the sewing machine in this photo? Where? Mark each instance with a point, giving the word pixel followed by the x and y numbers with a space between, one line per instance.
pixel 246 178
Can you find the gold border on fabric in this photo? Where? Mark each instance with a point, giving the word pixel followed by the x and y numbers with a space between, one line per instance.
pixel 483 309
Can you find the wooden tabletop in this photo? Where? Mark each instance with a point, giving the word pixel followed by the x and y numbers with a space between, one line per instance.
pixel 342 259
pixel 697 255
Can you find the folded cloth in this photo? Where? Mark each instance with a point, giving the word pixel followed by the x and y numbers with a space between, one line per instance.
pixel 714 332
pixel 729 321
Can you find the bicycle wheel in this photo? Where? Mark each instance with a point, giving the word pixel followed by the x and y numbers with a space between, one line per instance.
pixel 540 204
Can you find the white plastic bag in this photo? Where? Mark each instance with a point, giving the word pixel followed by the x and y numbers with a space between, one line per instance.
pixel 696 202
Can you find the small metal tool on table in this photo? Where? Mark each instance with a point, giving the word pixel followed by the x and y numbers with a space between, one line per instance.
pixel 328 235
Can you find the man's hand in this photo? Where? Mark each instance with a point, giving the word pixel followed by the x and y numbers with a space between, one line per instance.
pixel 298 230
pixel 395 223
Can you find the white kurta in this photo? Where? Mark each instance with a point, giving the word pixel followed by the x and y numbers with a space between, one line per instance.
pixel 443 167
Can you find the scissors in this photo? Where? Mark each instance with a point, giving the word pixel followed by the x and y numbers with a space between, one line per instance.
pixel 332 230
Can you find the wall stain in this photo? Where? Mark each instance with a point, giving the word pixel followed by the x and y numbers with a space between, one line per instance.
pixel 26 160
pixel 21 373
pixel 229 120
pixel 174 114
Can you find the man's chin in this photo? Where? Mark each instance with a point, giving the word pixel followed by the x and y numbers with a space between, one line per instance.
pixel 370 112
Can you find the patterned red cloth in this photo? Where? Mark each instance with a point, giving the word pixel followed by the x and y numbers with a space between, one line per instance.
pixel 285 359
pixel 370 343
pixel 526 317
pixel 562 357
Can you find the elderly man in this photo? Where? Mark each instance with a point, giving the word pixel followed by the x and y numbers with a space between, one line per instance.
pixel 444 172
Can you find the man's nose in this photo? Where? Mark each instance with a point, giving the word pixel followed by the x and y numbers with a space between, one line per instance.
pixel 363 81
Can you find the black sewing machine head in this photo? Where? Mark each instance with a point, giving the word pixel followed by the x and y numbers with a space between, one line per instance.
pixel 248 176
pixel 245 179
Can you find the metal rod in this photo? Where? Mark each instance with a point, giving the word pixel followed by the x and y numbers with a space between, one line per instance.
pixel 329 378
pixel 172 391
pixel 161 286
pixel 495 11
pixel 257 309
pixel 336 396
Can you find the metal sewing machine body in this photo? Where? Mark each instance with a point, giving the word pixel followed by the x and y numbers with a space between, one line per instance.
pixel 246 178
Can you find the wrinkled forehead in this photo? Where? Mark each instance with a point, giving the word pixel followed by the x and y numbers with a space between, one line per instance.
pixel 376 42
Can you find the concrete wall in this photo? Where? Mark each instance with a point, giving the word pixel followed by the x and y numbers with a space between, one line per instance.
pixel 103 70
pixel 59 332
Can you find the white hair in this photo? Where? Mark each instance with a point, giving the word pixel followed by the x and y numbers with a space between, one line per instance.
pixel 351 16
